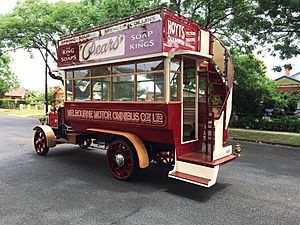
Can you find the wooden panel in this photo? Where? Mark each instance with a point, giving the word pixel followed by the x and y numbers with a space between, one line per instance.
pixel 201 158
pixel 185 176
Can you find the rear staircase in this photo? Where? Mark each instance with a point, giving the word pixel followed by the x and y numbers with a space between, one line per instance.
pixel 201 166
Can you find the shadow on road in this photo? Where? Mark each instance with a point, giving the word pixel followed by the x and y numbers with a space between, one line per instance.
pixel 90 166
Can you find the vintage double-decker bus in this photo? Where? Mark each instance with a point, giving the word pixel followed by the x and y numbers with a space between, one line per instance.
pixel 151 87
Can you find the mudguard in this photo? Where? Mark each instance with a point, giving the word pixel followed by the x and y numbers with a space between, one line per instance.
pixel 136 141
pixel 50 136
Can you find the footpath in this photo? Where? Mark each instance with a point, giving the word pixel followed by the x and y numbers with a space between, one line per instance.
pixel 269 137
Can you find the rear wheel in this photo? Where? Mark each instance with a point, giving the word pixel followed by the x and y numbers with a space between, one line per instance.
pixel 122 159
pixel 85 143
pixel 40 142
pixel 165 158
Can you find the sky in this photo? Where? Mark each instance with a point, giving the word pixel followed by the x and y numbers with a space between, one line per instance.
pixel 30 69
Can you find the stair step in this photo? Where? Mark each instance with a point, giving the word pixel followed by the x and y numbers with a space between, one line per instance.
pixel 206 72
pixel 201 158
pixel 190 178
pixel 208 140
pixel 215 94
pixel 216 83
pixel 214 106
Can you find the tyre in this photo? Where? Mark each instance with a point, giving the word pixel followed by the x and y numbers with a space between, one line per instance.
pixel 85 143
pixel 122 159
pixel 40 142
pixel 165 158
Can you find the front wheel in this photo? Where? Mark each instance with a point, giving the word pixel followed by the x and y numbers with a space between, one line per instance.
pixel 122 159
pixel 40 142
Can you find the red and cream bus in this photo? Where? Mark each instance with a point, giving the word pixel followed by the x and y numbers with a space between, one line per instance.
pixel 154 87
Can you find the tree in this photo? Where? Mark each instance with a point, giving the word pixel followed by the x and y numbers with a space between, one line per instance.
pixel 277 24
pixel 223 18
pixel 253 91
pixel 245 24
pixel 8 80
pixel 37 24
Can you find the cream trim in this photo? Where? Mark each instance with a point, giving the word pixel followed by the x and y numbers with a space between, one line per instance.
pixel 210 173
pixel 191 53
pixel 167 79
pixel 165 54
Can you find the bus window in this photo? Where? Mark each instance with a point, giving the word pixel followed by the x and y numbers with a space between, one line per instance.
pixel 101 89
pixel 123 88
pixel 100 71
pixel 123 69
pixel 69 90
pixel 175 71
pixel 82 90
pixel 81 73
pixel 150 87
pixel 189 99
pixel 150 66
pixel 69 75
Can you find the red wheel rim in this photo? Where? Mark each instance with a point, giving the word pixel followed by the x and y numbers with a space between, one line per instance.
pixel 40 142
pixel 120 160
pixel 165 158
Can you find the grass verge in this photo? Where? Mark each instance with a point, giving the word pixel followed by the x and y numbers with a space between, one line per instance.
pixel 283 138
pixel 33 113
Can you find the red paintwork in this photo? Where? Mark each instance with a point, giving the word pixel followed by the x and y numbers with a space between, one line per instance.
pixel 174 118
pixel 53 119
pixel 161 134
pixel 180 26
pixel 170 133
pixel 121 172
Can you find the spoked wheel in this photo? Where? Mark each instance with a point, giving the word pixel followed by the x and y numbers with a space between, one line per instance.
pixel 122 159
pixel 40 142
pixel 165 158
pixel 86 143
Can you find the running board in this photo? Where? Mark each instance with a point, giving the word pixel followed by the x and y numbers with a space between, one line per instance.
pixel 196 174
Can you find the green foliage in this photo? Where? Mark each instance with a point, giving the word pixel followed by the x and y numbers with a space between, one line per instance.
pixel 224 18
pixel 246 24
pixel 8 80
pixel 290 100
pixel 253 91
pixel 279 68
pixel 36 24
pixel 40 99
pixel 277 24
pixel 11 103
pixel 284 123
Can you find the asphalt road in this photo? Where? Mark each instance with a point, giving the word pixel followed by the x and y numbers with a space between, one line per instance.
pixel 73 186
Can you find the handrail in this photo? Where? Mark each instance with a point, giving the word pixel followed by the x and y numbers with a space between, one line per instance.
pixel 229 85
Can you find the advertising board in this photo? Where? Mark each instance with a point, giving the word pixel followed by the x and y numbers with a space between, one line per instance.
pixel 134 38
pixel 180 35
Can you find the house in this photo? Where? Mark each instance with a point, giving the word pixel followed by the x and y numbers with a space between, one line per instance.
pixel 289 83
pixel 59 95
pixel 18 93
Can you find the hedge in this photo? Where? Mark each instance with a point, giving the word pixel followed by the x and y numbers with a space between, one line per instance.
pixel 284 123
pixel 11 103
